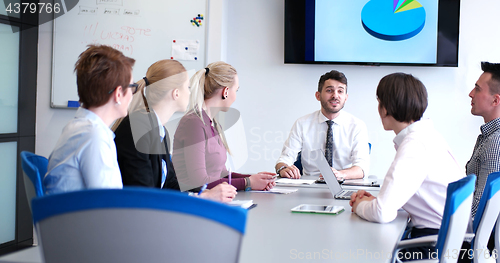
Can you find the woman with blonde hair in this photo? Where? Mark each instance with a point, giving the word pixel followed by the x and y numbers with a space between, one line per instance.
pixel 142 141
pixel 200 146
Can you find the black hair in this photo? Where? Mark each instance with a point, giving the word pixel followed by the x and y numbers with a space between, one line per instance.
pixel 494 70
pixel 335 75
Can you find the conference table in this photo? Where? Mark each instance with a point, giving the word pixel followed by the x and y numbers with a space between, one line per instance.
pixel 275 234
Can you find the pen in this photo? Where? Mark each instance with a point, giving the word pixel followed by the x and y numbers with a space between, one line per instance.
pixel 203 188
pixel 229 175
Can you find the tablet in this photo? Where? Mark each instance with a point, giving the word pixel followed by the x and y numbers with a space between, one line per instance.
pixel 322 209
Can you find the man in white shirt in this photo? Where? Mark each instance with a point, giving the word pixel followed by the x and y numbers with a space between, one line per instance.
pixel 422 168
pixel 342 137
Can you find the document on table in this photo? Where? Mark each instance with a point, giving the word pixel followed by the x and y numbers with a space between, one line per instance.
pixel 278 191
pixel 288 181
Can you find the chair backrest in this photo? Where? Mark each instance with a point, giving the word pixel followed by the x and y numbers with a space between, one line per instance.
pixel 486 214
pixel 34 169
pixel 137 225
pixel 455 217
pixel 497 238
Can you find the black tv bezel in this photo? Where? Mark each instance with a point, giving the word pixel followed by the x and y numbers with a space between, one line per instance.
pixel 296 34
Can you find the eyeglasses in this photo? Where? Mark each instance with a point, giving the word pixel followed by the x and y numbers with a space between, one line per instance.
pixel 134 87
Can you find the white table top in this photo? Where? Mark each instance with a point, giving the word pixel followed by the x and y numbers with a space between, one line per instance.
pixel 275 234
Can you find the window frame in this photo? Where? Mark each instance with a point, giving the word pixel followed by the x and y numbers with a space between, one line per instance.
pixel 25 135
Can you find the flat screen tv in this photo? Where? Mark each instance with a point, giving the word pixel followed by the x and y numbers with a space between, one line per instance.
pixel 372 32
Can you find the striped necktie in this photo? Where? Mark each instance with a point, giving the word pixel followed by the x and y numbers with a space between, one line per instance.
pixel 329 143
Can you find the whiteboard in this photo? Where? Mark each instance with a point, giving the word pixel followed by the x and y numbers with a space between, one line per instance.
pixel 142 30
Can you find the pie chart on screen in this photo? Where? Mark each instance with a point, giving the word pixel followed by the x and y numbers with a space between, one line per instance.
pixel 393 20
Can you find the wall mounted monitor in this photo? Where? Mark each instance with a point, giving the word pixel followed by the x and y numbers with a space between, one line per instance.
pixel 372 32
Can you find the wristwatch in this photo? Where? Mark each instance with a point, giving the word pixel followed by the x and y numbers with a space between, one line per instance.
pixel 248 187
pixel 281 168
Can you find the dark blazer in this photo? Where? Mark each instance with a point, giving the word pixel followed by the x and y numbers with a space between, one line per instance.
pixel 140 160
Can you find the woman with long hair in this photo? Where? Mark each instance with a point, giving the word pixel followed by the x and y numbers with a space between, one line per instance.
pixel 142 141
pixel 200 146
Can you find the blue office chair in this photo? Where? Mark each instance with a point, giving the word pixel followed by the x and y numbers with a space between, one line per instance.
pixel 34 169
pixel 137 225
pixel 486 217
pixel 298 162
pixel 453 226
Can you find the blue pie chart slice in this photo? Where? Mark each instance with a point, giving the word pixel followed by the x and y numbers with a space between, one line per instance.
pixel 380 20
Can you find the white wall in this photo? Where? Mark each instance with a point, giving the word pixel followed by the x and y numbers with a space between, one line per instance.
pixel 49 122
pixel 273 95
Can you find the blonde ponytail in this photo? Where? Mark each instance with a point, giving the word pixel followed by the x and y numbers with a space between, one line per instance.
pixel 163 76
pixel 197 98
pixel 204 85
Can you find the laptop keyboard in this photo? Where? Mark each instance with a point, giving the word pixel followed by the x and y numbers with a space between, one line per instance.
pixel 348 193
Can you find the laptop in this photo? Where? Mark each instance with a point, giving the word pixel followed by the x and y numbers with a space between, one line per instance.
pixel 330 178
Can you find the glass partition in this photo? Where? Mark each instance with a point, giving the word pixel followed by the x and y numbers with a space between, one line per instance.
pixel 8 151
pixel 9 74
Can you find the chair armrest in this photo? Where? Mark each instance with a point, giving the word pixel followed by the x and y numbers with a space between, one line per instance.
pixel 424 241
pixel 420 261
pixel 414 242
pixel 418 242
pixel 468 237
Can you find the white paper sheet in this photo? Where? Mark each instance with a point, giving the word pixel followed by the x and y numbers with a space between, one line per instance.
pixel 183 49
pixel 288 181
pixel 278 191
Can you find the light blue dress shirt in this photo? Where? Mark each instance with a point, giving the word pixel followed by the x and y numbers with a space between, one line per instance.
pixel 84 157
